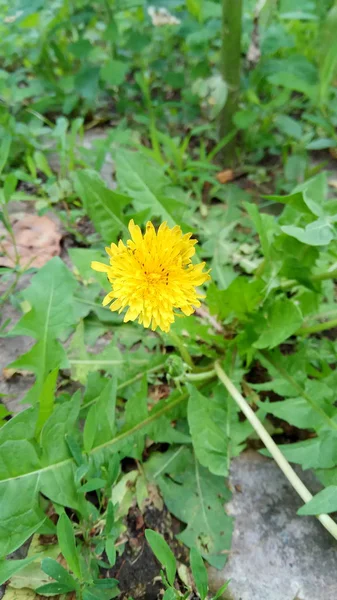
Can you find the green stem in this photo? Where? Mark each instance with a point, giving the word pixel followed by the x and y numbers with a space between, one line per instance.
pixel 317 277
pixel 179 344
pixel 300 390
pixel 230 66
pixel 317 328
pixel 200 376
pixel 276 453
pixel 326 275
pixel 111 20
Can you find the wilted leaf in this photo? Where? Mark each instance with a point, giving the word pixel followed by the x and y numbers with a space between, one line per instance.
pixel 37 241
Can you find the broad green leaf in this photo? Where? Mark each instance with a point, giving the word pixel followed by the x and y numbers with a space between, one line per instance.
pixel 92 485
pixel 145 184
pixel 282 319
pixel 295 411
pixel 291 82
pixel 81 259
pixel 323 502
pixel 111 550
pixel 295 200
pixel 114 72
pixel 50 296
pixel 100 422
pixel 82 362
pixel 136 411
pixel 316 453
pixel 8 568
pixel 4 149
pixel 54 589
pixel 24 473
pixel 199 573
pixel 207 420
pixel 170 594
pixel 241 297
pixel 289 126
pixel 47 398
pixel 196 497
pixel 265 225
pixel 66 539
pixel 103 206
pixel 318 233
pixel 163 553
pixel 53 435
pixel 59 573
pixel 20 515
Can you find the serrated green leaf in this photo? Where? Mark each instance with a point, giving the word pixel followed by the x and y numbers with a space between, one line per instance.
pixel 282 319
pixel 316 453
pixel 318 233
pixel 47 398
pixel 207 420
pixel 104 206
pixel 196 497
pixel 100 422
pixel 240 298
pixel 323 502
pixel 145 183
pixel 50 296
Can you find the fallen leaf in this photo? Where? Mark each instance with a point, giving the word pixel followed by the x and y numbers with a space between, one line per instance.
pixel 225 176
pixel 8 373
pixel 37 241
pixel 154 498
pixel 333 152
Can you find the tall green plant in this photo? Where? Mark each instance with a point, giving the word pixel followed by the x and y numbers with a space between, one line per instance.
pixel 230 67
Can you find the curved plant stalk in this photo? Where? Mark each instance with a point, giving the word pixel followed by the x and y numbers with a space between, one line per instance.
pixel 230 67
pixel 276 453
pixel 309 329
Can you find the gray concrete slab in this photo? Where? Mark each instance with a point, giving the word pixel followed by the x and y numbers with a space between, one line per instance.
pixel 275 555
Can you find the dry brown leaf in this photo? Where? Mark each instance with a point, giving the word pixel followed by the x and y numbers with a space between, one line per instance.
pixel 225 176
pixel 37 240
pixel 333 152
pixel 154 498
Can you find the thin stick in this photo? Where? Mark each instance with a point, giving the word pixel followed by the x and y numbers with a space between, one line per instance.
pixel 276 453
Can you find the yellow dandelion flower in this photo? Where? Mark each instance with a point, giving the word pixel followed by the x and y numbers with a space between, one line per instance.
pixel 153 275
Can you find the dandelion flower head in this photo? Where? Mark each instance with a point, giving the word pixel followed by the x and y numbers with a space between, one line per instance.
pixel 152 275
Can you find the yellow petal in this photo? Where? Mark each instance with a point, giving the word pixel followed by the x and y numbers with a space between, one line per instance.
pixel 101 267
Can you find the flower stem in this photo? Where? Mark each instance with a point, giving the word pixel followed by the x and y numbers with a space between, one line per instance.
pixel 179 344
pixel 332 274
pixel 317 328
pixel 200 376
pixel 276 453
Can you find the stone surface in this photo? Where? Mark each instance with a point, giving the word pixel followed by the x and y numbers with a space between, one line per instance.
pixel 275 555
